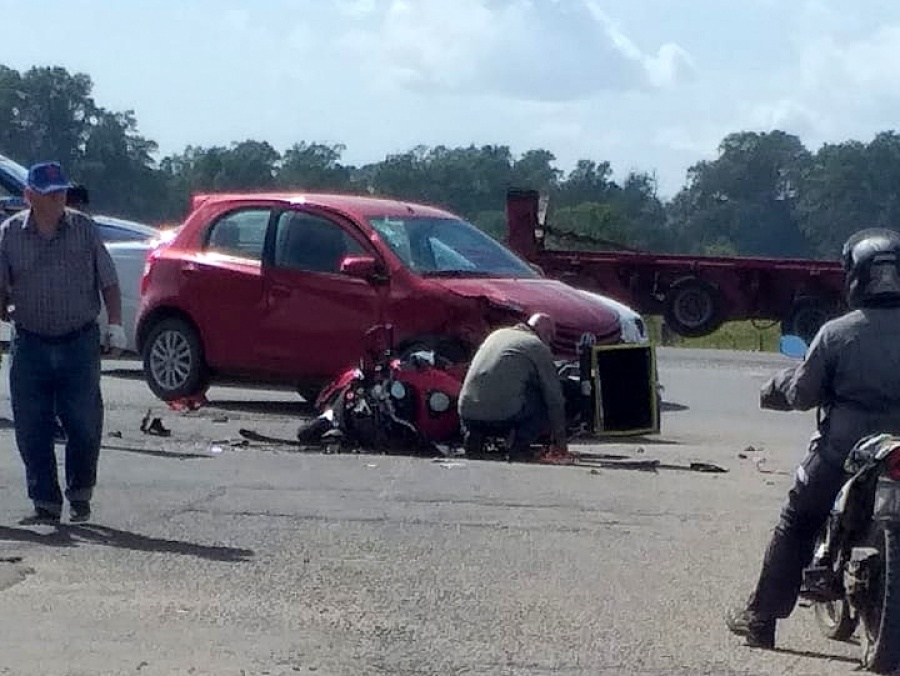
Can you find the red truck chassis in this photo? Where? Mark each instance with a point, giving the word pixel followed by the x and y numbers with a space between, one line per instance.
pixel 695 294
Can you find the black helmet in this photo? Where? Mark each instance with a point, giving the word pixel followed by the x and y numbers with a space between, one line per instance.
pixel 871 261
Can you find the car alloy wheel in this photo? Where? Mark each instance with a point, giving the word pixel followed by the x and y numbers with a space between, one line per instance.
pixel 171 360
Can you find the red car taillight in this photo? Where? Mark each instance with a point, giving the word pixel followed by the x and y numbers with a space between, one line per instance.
pixel 892 466
pixel 148 265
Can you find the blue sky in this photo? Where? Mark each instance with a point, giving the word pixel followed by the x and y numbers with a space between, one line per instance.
pixel 650 85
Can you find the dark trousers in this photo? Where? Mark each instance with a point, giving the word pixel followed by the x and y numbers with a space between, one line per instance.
pixel 528 425
pixel 50 378
pixel 791 548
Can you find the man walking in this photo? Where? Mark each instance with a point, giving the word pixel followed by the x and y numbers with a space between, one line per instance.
pixel 53 270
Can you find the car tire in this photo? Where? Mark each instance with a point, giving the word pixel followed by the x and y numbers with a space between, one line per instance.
pixel 174 365
pixel 807 315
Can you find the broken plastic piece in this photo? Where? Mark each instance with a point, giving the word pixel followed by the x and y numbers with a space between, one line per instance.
pixel 188 403
pixel 154 426
pixel 707 467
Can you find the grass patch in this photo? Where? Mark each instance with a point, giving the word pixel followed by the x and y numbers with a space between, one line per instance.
pixel 758 336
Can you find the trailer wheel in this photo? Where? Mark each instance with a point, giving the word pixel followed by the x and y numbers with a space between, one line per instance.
pixel 806 317
pixel 693 308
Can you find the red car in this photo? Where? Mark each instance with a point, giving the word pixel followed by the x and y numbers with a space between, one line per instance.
pixel 279 289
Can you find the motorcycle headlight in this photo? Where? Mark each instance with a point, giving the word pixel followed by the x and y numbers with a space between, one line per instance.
pixel 398 390
pixel 439 402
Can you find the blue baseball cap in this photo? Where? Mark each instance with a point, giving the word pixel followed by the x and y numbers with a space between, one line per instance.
pixel 47 177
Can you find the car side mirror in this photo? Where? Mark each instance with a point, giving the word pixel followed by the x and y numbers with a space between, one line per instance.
pixel 362 267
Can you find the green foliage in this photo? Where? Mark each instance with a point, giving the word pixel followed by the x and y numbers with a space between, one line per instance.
pixel 746 336
pixel 764 194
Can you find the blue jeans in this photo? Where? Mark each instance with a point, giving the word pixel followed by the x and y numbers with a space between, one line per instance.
pixel 50 378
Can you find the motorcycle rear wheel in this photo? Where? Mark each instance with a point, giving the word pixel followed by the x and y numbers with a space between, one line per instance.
pixel 881 620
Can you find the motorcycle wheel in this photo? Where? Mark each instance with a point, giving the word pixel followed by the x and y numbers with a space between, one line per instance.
pixel 835 620
pixel 881 617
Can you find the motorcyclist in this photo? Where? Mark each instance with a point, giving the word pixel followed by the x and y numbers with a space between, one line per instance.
pixel 852 373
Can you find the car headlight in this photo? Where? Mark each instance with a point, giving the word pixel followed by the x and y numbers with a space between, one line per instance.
pixel 632 327
pixel 634 330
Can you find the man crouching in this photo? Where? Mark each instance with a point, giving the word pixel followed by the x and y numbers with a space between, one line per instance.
pixel 512 390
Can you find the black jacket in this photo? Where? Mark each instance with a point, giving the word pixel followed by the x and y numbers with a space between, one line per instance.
pixel 851 371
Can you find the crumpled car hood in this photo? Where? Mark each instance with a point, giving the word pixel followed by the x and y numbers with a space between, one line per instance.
pixel 569 307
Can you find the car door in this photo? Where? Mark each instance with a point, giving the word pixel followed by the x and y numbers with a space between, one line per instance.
pixel 223 286
pixel 314 316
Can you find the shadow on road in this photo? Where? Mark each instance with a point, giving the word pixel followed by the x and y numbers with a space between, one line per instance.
pixel 672 407
pixel 818 656
pixel 127 374
pixel 181 455
pixel 65 535
pixel 293 407
pixel 6 424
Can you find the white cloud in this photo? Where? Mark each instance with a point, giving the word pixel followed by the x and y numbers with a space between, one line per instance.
pixel 523 49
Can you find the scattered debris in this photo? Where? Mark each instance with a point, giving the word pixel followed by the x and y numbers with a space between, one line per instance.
pixel 759 462
pixel 449 464
pixel 648 465
pixel 10 559
pixel 116 433
pixel 753 449
pixel 185 404
pixel 215 449
pixel 639 464
pixel 743 456
pixel 220 419
pixel 707 467
pixel 154 426
pixel 253 435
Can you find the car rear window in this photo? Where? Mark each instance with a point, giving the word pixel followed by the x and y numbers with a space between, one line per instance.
pixel 240 233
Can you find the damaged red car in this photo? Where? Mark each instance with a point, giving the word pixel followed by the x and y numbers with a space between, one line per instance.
pixel 279 289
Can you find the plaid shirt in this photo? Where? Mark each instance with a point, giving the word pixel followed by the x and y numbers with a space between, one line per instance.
pixel 54 284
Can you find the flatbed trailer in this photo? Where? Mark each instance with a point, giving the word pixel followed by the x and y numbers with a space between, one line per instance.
pixel 694 294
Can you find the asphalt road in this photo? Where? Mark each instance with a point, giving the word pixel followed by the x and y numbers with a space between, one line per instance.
pixel 209 558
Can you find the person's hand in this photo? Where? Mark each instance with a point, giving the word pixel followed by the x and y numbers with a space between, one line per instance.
pixel 115 342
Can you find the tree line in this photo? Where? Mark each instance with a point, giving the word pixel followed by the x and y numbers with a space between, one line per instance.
pixel 765 193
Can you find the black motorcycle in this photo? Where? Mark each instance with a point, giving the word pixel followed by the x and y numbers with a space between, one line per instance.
pixel 853 580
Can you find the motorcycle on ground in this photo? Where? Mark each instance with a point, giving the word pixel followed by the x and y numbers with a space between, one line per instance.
pixel 389 403
pixel 853 580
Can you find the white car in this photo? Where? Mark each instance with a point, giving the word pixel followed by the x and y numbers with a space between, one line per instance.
pixel 129 258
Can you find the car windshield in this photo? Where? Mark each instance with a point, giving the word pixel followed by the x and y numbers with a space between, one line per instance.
pixel 448 247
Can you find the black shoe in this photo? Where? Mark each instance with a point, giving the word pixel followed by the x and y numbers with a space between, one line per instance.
pixel 40 515
pixel 473 444
pixel 80 510
pixel 759 631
